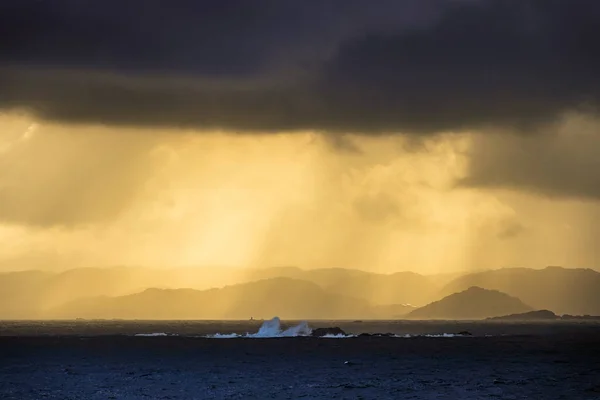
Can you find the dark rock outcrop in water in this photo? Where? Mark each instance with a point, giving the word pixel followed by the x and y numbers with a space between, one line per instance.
pixel 528 316
pixel 465 333
pixel 473 303
pixel 568 317
pixel 334 331
pixel 376 335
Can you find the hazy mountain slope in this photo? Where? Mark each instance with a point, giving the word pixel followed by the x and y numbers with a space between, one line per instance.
pixel 29 294
pixel 473 303
pixel 397 288
pixel 443 278
pixel 323 276
pixel 392 311
pixel 284 297
pixel 561 290
pixel 254 274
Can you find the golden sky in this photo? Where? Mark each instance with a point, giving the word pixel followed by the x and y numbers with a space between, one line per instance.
pixel 89 195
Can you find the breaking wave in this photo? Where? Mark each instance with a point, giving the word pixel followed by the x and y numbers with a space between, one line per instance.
pixel 273 329
pixel 270 329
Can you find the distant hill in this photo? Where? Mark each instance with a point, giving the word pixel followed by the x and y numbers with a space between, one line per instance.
pixel 538 315
pixel 473 303
pixel 382 289
pixel 28 294
pixel 285 297
pixel 562 290
pixel 392 311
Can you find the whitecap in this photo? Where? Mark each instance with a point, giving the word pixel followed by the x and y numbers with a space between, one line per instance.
pixel 338 336
pixel 445 335
pixel 151 334
pixel 269 329
pixel 224 336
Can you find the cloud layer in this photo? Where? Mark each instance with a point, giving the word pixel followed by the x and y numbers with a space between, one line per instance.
pixel 409 66
pixel 563 164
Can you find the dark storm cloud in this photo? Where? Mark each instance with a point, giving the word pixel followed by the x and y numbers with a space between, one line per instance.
pixel 400 66
pixel 562 163
pixel 201 37
pixel 507 63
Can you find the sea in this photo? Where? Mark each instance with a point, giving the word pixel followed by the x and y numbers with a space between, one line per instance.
pixel 279 359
